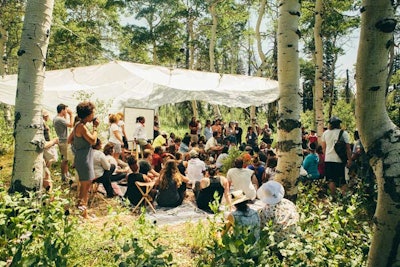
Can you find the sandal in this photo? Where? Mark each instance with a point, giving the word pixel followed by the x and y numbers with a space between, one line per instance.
pixel 83 211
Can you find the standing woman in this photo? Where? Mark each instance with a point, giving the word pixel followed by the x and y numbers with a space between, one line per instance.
pixel 139 133
pixel 115 136
pixel 172 186
pixel 121 124
pixel 82 140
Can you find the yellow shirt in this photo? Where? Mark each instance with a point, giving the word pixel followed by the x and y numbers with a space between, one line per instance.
pixel 159 141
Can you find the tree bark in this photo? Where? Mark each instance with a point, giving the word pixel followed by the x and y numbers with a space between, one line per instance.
pixel 380 137
pixel 29 140
pixel 213 37
pixel 319 72
pixel 289 133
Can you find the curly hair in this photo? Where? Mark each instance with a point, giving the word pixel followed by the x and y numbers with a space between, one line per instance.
pixel 168 173
pixel 85 109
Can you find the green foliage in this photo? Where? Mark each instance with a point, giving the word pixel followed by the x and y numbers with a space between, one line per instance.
pixel 6 135
pixel 345 111
pixel 145 251
pixel 230 160
pixel 34 230
pixel 329 234
pixel 88 28
pixel 102 107
pixel 393 104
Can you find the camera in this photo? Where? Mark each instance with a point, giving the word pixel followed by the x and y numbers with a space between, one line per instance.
pixel 94 119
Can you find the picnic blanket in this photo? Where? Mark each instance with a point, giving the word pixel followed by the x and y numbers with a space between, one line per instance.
pixel 187 212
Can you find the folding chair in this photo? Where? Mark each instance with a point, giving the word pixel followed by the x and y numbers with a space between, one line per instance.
pixel 94 194
pixel 145 194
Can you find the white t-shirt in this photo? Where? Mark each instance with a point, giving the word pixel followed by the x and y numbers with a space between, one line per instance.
pixel 140 132
pixel 195 169
pixel 100 163
pixel 113 139
pixel 220 160
pixel 241 180
pixel 121 124
pixel 210 143
pixel 330 137
pixel 112 160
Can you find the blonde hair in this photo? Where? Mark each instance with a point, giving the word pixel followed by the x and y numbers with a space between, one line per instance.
pixel 120 115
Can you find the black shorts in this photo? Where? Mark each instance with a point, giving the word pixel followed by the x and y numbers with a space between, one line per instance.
pixel 334 172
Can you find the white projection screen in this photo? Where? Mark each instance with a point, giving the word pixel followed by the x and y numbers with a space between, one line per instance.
pixel 130 115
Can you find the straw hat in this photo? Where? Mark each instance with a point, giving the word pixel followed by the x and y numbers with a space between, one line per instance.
pixel 193 153
pixel 238 196
pixel 271 192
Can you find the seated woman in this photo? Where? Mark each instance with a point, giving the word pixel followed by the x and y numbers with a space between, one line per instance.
pixel 172 186
pixel 132 192
pixel 205 189
pixel 103 169
pixel 282 212
pixel 243 216
pixel 310 163
pixel 121 170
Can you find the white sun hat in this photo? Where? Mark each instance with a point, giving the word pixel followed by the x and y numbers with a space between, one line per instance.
pixel 271 192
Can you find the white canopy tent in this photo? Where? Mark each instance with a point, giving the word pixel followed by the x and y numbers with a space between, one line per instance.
pixel 146 86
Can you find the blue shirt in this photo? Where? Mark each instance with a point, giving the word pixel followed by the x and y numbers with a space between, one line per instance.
pixel 310 164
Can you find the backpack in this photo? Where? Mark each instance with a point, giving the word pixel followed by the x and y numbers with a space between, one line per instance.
pixel 340 148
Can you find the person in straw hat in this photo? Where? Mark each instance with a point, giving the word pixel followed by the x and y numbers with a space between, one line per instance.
pixel 281 211
pixel 243 216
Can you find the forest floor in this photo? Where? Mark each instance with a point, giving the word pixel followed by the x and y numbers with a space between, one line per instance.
pixel 103 211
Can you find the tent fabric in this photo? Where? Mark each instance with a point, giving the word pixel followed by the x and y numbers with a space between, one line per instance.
pixel 127 84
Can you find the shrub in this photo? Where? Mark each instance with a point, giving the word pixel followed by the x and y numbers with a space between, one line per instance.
pixel 142 247
pixel 34 231
pixel 6 135
pixel 329 234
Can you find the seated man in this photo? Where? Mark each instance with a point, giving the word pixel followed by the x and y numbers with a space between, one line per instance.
pixel 212 147
pixel 121 168
pixel 221 157
pixel 160 140
pixel 195 168
pixel 145 165
pixel 103 169
pixel 205 189
pixel 243 179
pixel 132 193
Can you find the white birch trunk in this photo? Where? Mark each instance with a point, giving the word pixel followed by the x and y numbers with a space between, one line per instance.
pixel 380 137
pixel 28 132
pixel 289 133
pixel 213 37
pixel 319 63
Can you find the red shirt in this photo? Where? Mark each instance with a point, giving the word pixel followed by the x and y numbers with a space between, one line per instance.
pixel 313 139
pixel 157 161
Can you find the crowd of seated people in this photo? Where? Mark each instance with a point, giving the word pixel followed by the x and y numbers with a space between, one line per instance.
pixel 196 161
pixel 177 163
